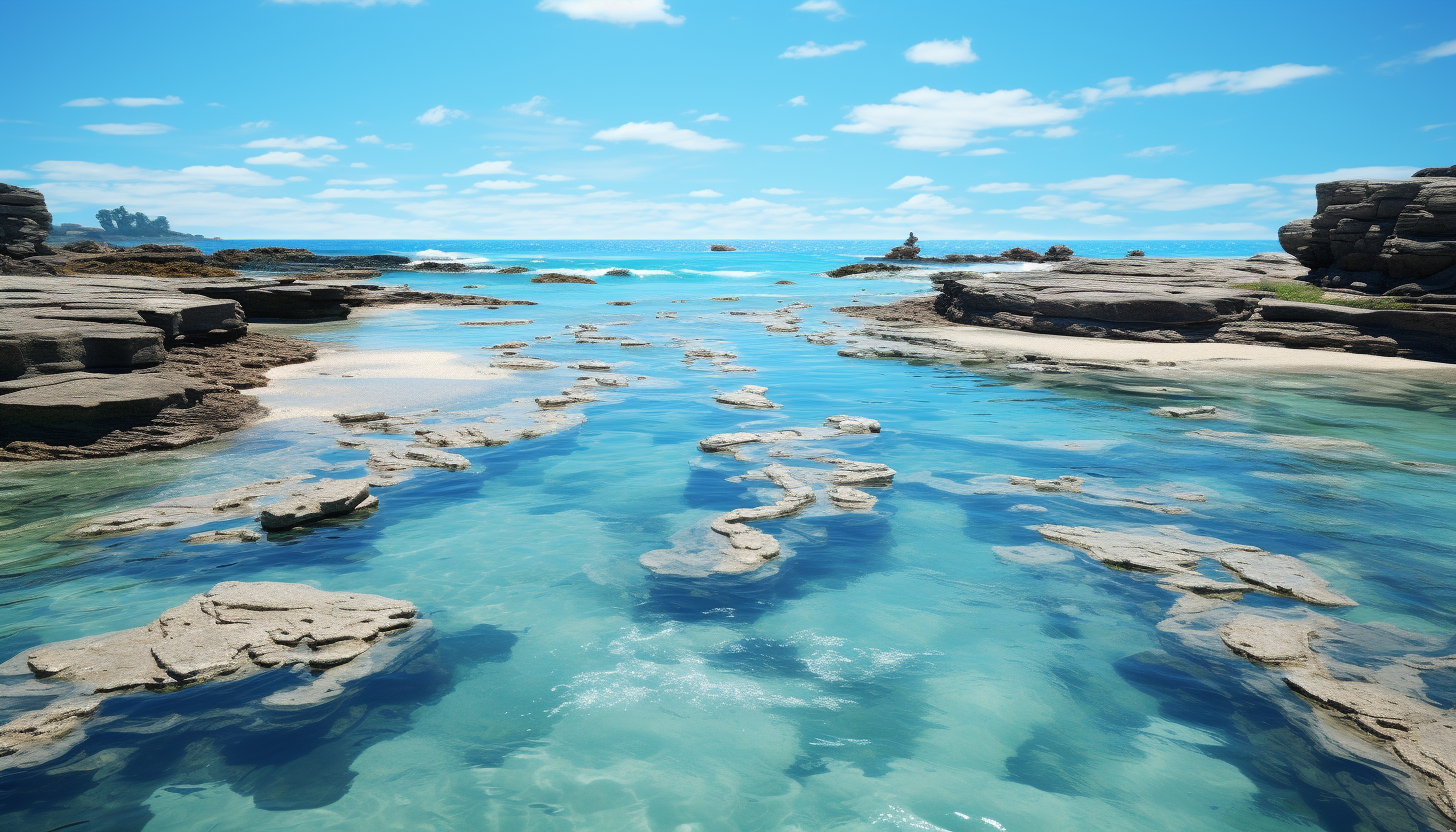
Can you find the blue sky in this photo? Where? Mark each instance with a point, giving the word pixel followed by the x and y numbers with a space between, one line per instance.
pixel 536 119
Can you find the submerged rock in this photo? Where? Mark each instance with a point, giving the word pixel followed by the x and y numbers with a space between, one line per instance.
pixel 556 277
pixel 522 362
pixel 1169 549
pixel 231 630
pixel 1185 412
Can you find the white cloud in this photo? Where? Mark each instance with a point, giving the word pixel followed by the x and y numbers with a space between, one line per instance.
pixel 929 119
pixel 355 193
pixel 809 138
pixel 555 177
pixel 298 143
pixel 255 125
pixel 14 174
pixel 663 133
pixel 1440 50
pixel 828 8
pixel 354 2
pixel 1059 132
pixel 928 204
pixel 196 175
pixel 705 193
pixel 586 187
pixel 712 117
pixel 1211 230
pixel 942 52
pixel 910 182
pixel 1164 194
pixel 169 101
pixel 296 179
pixel 779 191
pixel 1053 207
pixel 815 50
pixel 146 128
pixel 440 115
pixel 1438 126
pixel 1213 80
pixel 1149 152
pixel 1377 172
pixel 536 107
pixel 400 146
pixel 620 12
pixel 1102 219
pixel 358 164
pixel 986 151
pixel 487 169
pixel 437 187
pixel 529 108
pixel 798 101
pixel 503 185
pixel 1000 188
pixel 292 158
pixel 370 139
pixel 87 102
pixel 379 181
pixel 591 148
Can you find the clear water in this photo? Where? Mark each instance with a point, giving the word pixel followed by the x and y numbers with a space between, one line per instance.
pixel 889 673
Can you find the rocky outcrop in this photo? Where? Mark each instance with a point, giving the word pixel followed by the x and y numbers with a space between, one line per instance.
pixel 907 250
pixel 233 630
pixel 911 251
pixel 24 222
pixel 721 247
pixel 556 277
pixel 1395 237
pixel 863 268
pixel 1182 301
pixel 749 396
pixel 315 502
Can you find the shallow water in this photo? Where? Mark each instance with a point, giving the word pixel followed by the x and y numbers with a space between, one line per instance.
pixel 891 671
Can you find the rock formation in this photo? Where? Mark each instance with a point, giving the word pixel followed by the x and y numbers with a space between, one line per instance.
pixel 1185 300
pixel 907 250
pixel 1392 237
pixel 24 222
pixel 233 630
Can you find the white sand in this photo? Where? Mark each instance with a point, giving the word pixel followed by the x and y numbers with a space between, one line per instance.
pixel 411 364
pixel 394 381
pixel 1207 355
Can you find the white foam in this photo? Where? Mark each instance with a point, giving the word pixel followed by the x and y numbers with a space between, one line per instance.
pixel 725 273
pixel 434 255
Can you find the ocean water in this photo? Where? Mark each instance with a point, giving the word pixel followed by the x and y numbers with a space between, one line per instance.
pixel 899 668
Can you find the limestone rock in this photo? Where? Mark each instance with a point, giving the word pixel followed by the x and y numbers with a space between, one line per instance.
pixel 325 499
pixel 749 396
pixel 232 630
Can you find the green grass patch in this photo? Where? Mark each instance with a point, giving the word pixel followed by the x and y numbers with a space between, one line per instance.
pixel 1306 293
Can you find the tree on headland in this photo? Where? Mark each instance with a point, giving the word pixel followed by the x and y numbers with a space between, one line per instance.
pixel 123 222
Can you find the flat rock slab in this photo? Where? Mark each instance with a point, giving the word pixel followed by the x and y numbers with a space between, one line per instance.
pixel 1170 549
pixel 231 630
pixel 315 502
pixel 749 396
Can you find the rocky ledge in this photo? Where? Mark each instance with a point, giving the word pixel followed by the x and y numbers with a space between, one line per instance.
pixel 1182 301
pixel 97 366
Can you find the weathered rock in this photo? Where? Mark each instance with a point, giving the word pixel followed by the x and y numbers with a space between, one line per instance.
pixel 853 424
pixel 906 251
pixel 556 277
pixel 232 630
pixel 326 499
pixel 863 268
pixel 1386 232
pixel 721 247
pixel 851 498
pixel 1169 549
pixel 24 222
pixel 522 362
pixel 1185 412
pixel 749 396
pixel 502 322
pixel 1268 640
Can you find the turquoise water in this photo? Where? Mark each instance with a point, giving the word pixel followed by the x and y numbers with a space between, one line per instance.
pixel 891 671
